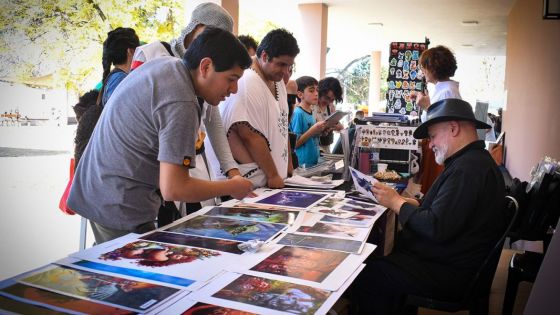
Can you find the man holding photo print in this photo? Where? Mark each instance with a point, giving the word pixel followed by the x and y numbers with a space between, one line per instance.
pixel 445 238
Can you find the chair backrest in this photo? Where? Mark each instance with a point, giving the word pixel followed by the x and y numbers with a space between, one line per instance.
pixel 483 280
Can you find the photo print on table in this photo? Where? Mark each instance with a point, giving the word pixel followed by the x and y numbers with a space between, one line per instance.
pixel 335 230
pixel 210 309
pixel 251 214
pixel 153 254
pixel 237 230
pixel 303 263
pixel 293 199
pixel 359 220
pixel 312 241
pixel 48 298
pixel 273 294
pixel 124 293
pixel 194 241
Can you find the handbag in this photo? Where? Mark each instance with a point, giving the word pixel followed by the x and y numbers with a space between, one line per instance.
pixel 62 203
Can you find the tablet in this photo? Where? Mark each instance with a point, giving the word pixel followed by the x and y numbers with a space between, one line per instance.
pixel 335 117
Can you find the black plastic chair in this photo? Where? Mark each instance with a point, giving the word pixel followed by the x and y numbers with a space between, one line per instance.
pixel 477 296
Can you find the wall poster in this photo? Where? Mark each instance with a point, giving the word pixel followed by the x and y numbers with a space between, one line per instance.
pixel 404 77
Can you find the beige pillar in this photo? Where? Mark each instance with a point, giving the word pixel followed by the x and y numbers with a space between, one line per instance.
pixel 232 6
pixel 312 40
pixel 374 82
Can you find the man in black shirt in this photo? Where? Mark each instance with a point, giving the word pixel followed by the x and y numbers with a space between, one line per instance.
pixel 445 238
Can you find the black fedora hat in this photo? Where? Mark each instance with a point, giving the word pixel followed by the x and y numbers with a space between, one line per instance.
pixel 445 110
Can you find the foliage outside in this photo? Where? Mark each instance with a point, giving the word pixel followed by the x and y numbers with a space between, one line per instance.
pixel 63 40
pixel 355 80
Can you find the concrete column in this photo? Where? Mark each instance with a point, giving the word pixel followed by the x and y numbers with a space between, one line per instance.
pixel 232 6
pixel 312 40
pixel 374 82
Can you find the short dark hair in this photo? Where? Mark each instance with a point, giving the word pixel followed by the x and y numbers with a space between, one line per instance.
pixel 305 81
pixel 278 42
pixel 225 50
pixel 331 84
pixel 440 61
pixel 248 41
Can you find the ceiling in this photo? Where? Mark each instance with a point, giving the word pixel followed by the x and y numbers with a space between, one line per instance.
pixel 405 20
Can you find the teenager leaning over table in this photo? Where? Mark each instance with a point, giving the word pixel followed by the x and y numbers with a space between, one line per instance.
pixel 147 140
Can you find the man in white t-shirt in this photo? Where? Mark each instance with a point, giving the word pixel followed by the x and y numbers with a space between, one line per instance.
pixel 256 118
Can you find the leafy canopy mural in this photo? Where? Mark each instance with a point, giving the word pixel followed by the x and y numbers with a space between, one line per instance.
pixel 63 40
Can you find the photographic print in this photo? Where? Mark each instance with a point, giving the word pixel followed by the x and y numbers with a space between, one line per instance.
pixel 194 241
pixel 237 230
pixel 17 307
pixel 273 294
pixel 302 263
pixel 48 298
pixel 337 213
pixel 363 183
pixel 142 274
pixel 125 293
pixel 191 263
pixel 312 241
pixel 336 230
pixel 210 309
pixel 360 204
pixel 358 220
pixel 329 202
pixel 152 254
pixel 292 198
pixel 260 215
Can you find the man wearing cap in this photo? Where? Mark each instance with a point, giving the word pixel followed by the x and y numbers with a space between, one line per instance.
pixel 205 14
pixel 446 237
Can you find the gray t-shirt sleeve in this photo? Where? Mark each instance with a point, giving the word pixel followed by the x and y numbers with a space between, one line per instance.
pixel 218 139
pixel 177 124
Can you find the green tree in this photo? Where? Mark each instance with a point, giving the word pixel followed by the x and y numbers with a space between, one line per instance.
pixel 355 79
pixel 63 39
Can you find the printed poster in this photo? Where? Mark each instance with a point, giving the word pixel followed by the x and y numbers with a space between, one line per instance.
pixel 404 77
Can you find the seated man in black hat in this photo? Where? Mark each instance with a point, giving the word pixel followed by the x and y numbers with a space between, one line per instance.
pixel 445 238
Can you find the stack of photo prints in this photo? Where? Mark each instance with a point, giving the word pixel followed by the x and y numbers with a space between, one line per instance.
pixel 312 246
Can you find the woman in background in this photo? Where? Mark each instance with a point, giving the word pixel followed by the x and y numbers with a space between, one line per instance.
pixel 438 65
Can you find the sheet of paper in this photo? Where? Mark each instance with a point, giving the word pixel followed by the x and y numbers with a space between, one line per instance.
pixel 363 183
pixel 320 268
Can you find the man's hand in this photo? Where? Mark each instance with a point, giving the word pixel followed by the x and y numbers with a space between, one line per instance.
pixel 422 99
pixel 275 182
pixel 233 172
pixel 388 197
pixel 241 187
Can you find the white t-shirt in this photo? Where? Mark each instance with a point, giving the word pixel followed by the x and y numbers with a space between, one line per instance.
pixel 253 103
pixel 443 90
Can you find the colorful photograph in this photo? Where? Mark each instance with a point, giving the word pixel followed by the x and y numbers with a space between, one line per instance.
pixel 311 241
pixel 330 202
pixel 302 263
pixel 130 294
pixel 338 213
pixel 370 211
pixel 143 274
pixel 273 294
pixel 210 309
pixel 260 215
pixel 151 254
pixel 237 230
pixel 195 241
pixel 359 204
pixel 335 230
pixel 294 199
pixel 359 220
pixel 58 300
pixel 18 307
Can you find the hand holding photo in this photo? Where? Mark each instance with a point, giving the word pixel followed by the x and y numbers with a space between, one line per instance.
pixel 334 118
pixel 363 183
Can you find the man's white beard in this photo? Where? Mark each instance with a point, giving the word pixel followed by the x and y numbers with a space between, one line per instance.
pixel 440 153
